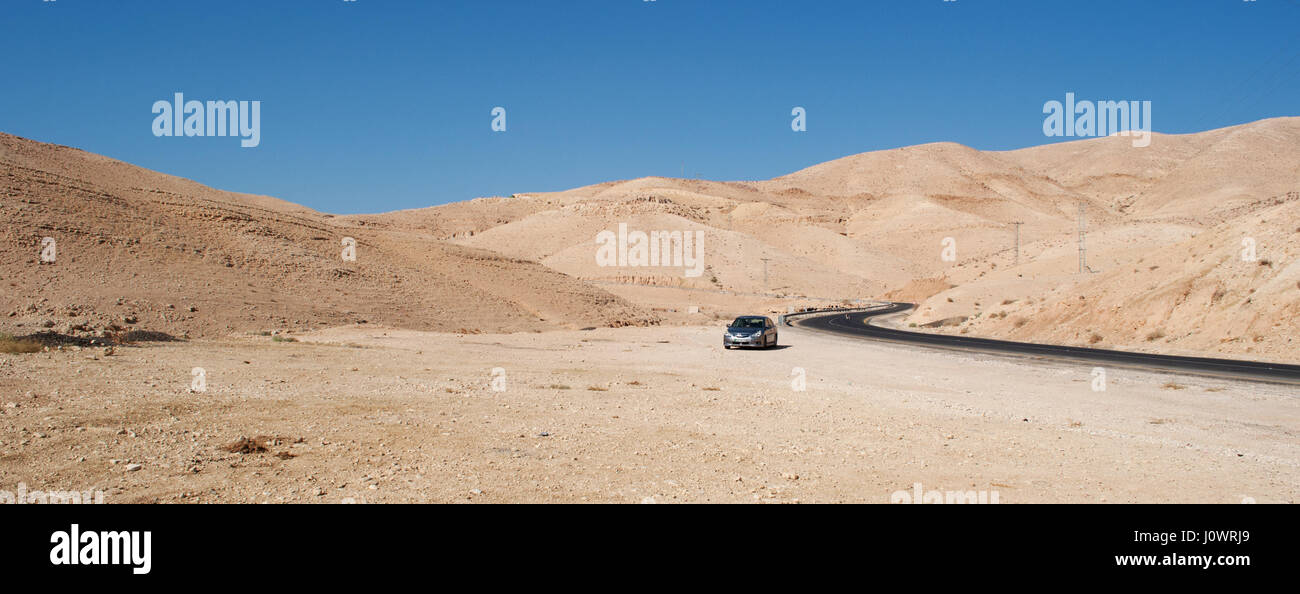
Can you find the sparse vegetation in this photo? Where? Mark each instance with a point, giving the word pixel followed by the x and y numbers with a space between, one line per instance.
pixel 117 335
pixel 283 339
pixel 597 389
pixel 246 445
pixel 1095 338
pixel 559 387
pixel 1173 386
pixel 9 344
pixel 1155 335
pixel 712 389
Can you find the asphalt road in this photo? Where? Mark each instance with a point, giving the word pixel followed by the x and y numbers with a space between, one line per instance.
pixel 859 324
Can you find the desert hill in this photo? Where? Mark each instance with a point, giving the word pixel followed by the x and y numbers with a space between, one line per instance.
pixel 158 253
pixel 1165 226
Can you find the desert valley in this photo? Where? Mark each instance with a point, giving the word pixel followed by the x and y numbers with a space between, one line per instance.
pixel 479 351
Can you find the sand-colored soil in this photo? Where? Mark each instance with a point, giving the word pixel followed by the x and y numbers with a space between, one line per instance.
pixel 627 415
pixel 617 388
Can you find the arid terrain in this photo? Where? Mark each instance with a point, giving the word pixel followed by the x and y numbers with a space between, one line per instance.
pixel 659 414
pixel 371 379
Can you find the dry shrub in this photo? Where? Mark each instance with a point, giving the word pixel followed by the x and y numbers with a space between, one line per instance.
pixel 117 335
pixel 9 344
pixel 247 445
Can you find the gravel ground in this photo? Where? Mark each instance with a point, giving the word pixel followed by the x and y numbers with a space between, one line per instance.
pixel 662 414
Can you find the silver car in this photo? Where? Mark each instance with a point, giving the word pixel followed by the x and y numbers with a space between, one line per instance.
pixel 752 331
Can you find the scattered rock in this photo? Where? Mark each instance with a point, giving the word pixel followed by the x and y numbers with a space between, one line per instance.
pixel 245 445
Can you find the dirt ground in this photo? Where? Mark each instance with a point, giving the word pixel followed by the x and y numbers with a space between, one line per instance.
pixel 662 414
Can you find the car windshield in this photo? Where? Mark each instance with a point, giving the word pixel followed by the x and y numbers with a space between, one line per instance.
pixel 747 323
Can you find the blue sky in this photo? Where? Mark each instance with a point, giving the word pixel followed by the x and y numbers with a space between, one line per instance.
pixel 378 105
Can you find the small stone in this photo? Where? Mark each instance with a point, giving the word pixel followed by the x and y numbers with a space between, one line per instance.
pixel 133 467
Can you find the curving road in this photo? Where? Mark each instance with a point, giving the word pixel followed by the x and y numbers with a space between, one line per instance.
pixel 858 323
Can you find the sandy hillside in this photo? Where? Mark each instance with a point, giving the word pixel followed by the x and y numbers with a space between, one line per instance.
pixel 1163 225
pixel 381 386
pixel 155 253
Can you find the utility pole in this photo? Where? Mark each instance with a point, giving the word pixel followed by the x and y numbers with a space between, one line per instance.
pixel 1018 224
pixel 1083 229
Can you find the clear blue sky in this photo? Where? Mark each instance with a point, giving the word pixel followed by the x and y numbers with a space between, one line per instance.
pixel 377 105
